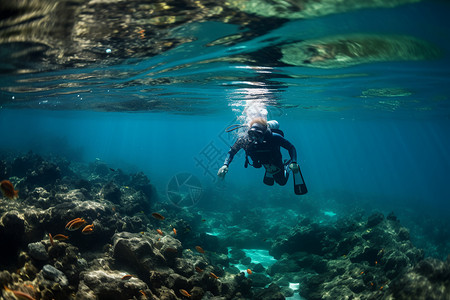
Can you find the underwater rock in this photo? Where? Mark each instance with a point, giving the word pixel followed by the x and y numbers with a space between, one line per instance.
pixel 4 170
pixel 246 260
pixel 51 273
pixel 133 224
pixel 170 248
pixel 236 255
pixel 111 192
pixel 259 280
pixel 102 284
pixel 258 268
pixel 298 261
pixel 311 238
pixel 100 215
pixel 133 202
pixel 41 198
pixel 272 292
pixel 212 242
pixel 137 252
pixel 24 164
pixel 45 174
pixel 12 229
pixel 403 234
pixel 375 219
pixel 37 251
pixel 140 182
pixel 429 279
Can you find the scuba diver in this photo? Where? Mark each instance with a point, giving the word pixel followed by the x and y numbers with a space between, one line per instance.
pixel 262 144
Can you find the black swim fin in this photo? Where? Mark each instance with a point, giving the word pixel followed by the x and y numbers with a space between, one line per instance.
pixel 299 182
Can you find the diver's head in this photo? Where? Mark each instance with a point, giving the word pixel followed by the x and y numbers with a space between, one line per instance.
pixel 257 130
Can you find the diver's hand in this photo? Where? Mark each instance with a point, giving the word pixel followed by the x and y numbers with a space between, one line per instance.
pixel 294 167
pixel 222 171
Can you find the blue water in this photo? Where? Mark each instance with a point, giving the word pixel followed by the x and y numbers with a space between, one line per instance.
pixel 374 136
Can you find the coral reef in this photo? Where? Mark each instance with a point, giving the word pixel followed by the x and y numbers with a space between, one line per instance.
pixel 90 232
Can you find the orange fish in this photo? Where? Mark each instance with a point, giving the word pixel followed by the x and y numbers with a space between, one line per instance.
pixel 249 272
pixel 174 231
pixel 143 293
pixel 199 249
pixel 158 216
pixel 75 224
pixel 88 229
pixel 8 191
pixel 159 231
pixel 51 239
pixel 127 277
pixel 213 275
pixel 19 294
pixel 30 286
pixel 60 237
pixel 184 293
pixel 381 287
pixel 198 269
pixel 361 273
pixel 376 263
pixel 71 221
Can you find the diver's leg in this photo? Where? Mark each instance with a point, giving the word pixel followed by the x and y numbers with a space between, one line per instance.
pixel 280 177
pixel 268 178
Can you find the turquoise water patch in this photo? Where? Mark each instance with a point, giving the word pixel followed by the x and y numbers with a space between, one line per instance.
pixel 260 256
pixel 329 213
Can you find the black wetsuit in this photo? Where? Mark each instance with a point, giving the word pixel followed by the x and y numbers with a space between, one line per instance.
pixel 266 153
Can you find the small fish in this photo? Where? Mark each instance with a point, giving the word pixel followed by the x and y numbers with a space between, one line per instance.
pixel 199 249
pixel 142 232
pixel 112 170
pixel 159 231
pixel 371 283
pixel 88 229
pixel 8 191
pixel 158 216
pixel 30 286
pixel 75 224
pixel 198 269
pixel 19 294
pixel 203 220
pixel 381 288
pixel 249 272
pixel 212 275
pixel 127 277
pixel 362 272
pixel 184 293
pixel 60 237
pixel 51 239
pixel 174 231
pixel 376 263
pixel 143 294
